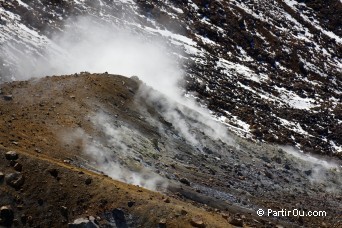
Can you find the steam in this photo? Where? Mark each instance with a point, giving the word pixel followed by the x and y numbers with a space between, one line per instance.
pixel 187 117
pixel 110 153
pixel 326 173
pixel 88 44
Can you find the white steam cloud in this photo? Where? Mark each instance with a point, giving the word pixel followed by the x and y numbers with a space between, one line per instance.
pixel 111 154
pixel 187 117
pixel 87 44
pixel 320 171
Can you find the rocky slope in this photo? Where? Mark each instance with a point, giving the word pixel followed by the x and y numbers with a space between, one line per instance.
pixel 272 72
pixel 72 133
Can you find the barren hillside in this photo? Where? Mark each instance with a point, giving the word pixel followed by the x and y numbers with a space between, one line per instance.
pixel 74 134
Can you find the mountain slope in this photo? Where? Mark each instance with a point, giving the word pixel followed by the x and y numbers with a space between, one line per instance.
pixel 99 125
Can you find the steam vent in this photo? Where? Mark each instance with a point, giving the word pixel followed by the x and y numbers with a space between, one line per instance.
pixel 170 113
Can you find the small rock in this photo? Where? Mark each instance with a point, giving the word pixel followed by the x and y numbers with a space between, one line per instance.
pixel 83 223
pixel 30 220
pixel 236 222
pixel 268 165
pixel 130 203
pixel 18 167
pixel 64 211
pixel 265 159
pixel 167 200
pixel 54 172
pixel 197 222
pixel 277 159
pixel 6 216
pixel 308 172
pixel 11 155
pixel 15 180
pixel 184 212
pixel 185 181
pixel 162 223
pixel 40 202
pixel 8 97
pixel 88 181
pixel 225 216
pixel 23 219
pixel 91 218
pixel 2 176
pixel 268 174
pixel 12 163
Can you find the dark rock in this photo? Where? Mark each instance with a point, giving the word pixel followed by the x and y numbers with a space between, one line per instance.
pixel 119 218
pixel 83 223
pixel 40 202
pixel 265 159
pixel 277 159
pixel 88 181
pixel 308 172
pixel 268 174
pixel 287 166
pixel 8 97
pixel 15 180
pixel 167 200
pixel 53 172
pixel 18 167
pixel 12 163
pixel 2 176
pixel 23 219
pixel 197 222
pixel 130 203
pixel 236 222
pixel 64 211
pixel 184 212
pixel 185 181
pixel 11 155
pixel 6 216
